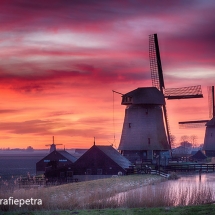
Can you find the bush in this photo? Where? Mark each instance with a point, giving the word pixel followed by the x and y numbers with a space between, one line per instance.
pixel 173 176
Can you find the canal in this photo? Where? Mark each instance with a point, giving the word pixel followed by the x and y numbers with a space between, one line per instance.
pixel 190 189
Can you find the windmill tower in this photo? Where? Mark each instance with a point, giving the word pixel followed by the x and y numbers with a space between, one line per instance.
pixel 52 146
pixel 146 131
pixel 209 140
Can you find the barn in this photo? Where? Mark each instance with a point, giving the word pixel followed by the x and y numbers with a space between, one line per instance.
pixel 101 160
pixel 54 160
pixel 198 156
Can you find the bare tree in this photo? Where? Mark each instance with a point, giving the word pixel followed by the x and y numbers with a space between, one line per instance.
pixel 201 146
pixel 193 139
pixel 186 144
pixel 172 140
pixel 29 149
pixel 184 138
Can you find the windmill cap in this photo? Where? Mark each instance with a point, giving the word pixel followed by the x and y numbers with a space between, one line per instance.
pixel 144 95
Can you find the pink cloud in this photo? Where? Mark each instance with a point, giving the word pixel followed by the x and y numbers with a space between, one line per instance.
pixel 73 79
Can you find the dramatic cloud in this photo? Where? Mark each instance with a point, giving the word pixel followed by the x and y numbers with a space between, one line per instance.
pixel 8 111
pixel 60 61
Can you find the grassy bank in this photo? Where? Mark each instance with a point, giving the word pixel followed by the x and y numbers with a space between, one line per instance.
pixel 89 194
pixel 112 196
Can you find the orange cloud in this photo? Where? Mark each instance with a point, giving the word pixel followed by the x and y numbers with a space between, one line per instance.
pixel 60 62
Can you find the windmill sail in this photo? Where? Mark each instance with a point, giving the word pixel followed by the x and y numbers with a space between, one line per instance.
pixel 155 63
pixel 213 105
pixel 200 123
pixel 157 74
pixel 211 101
pixel 184 92
pixel 158 81
pixel 192 124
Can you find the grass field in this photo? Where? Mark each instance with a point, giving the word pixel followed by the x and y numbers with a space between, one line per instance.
pixel 18 165
pixel 80 195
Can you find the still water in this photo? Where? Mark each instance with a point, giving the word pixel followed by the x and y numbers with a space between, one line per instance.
pixel 187 190
pixel 194 180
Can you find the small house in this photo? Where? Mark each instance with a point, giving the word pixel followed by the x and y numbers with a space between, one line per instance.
pixel 198 156
pixel 182 151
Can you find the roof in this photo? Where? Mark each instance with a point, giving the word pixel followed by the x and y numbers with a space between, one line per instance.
pixel 181 150
pixel 67 155
pixel 194 152
pixel 144 95
pixel 199 155
pixel 115 156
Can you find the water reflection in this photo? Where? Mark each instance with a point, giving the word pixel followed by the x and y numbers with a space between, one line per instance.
pixel 188 190
pixel 197 178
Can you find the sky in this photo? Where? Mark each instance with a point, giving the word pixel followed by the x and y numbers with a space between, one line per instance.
pixel 60 61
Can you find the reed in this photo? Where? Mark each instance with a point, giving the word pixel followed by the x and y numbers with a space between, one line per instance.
pixel 123 192
pixel 166 196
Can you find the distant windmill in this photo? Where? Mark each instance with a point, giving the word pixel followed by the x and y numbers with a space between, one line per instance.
pixel 209 140
pixel 53 146
pixel 146 130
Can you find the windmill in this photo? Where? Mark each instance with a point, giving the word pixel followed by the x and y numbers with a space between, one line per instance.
pixel 209 140
pixel 53 146
pixel 146 131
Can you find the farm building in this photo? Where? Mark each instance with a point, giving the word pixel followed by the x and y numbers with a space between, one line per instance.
pixel 182 151
pixel 54 160
pixel 101 160
pixel 198 156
